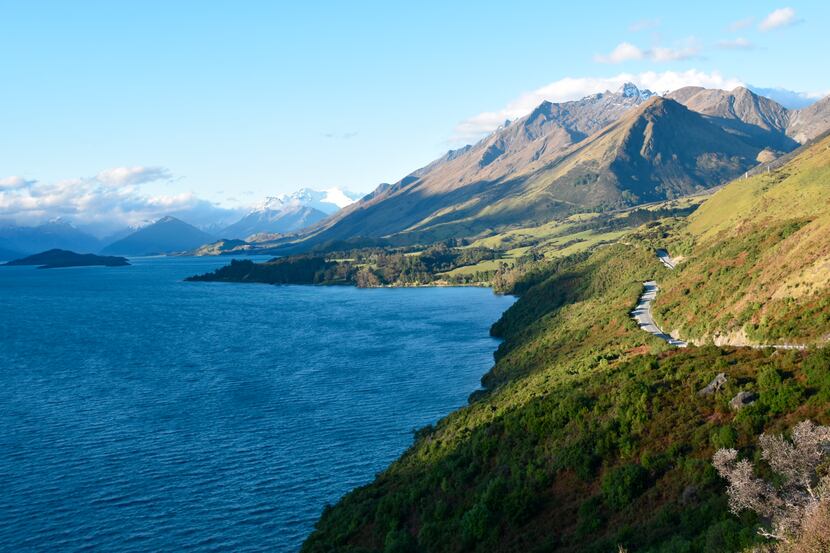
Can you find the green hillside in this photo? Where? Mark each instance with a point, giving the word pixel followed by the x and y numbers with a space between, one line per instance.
pixel 590 433
pixel 760 268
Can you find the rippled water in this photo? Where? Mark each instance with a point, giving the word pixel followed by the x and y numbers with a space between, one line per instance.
pixel 142 413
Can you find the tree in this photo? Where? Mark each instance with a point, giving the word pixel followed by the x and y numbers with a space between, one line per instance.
pixel 796 507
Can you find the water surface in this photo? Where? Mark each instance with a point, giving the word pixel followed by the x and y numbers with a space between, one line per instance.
pixel 142 413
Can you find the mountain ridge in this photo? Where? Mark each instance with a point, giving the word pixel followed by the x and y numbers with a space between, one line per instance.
pixel 551 181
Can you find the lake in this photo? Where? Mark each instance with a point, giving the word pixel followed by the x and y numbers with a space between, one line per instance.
pixel 139 412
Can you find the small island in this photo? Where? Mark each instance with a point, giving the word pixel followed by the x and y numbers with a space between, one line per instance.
pixel 54 259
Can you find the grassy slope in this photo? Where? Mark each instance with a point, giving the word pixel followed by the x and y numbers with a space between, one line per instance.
pixel 562 238
pixel 591 433
pixel 760 267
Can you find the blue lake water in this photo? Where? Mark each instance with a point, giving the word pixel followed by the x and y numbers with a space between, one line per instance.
pixel 139 412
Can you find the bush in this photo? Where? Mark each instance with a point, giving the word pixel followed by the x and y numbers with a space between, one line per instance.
pixel 622 485
pixel 399 541
pixel 725 436
pixel 475 524
pixel 591 518
pixel 777 394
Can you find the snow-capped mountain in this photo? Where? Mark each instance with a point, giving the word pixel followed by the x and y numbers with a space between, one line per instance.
pixel 290 212
pixel 328 201
pixel 630 90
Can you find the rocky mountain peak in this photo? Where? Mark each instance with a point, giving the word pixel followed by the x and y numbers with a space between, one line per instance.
pixel 630 90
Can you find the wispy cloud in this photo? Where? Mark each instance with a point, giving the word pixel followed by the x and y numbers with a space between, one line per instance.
pixel 341 136
pixel 740 24
pixel 625 51
pixel 133 175
pixel 644 25
pixel 687 52
pixel 739 43
pixel 778 19
pixel 574 88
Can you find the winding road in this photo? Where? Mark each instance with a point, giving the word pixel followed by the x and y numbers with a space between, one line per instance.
pixel 642 313
pixel 665 258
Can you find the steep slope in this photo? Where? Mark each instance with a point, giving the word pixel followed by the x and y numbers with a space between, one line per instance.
pixel 757 120
pixel 759 270
pixel 167 235
pixel 548 129
pixel 808 123
pixel 55 234
pixel 657 150
pixel 589 435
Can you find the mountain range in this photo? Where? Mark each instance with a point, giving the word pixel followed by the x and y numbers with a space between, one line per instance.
pixel 275 215
pixel 289 212
pixel 16 241
pixel 606 151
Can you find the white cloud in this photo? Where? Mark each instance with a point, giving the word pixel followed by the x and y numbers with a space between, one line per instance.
pixel 133 175
pixel 112 199
pixel 739 43
pixel 644 25
pixel 782 17
pixel 625 51
pixel 574 88
pixel 14 182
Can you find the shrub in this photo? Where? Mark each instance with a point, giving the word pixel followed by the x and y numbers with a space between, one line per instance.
pixel 798 504
pixel 622 485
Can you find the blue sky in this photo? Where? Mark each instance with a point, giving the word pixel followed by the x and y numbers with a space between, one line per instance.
pixel 159 105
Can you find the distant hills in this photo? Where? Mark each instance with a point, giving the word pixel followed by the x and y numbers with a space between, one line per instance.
pixel 166 235
pixel 9 254
pixel 277 215
pixel 17 240
pixel 289 218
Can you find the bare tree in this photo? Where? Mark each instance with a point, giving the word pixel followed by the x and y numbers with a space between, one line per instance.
pixel 798 507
